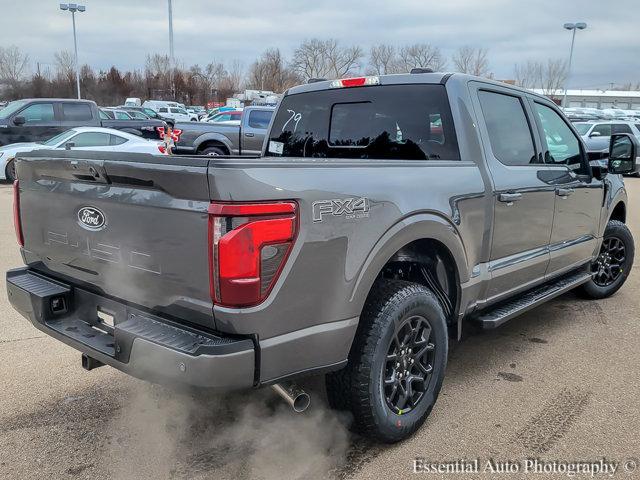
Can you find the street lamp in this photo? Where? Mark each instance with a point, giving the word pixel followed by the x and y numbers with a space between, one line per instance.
pixel 573 27
pixel 73 8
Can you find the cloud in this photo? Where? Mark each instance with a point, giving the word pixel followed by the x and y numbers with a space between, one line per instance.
pixel 122 32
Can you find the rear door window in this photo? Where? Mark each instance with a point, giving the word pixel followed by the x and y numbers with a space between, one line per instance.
pixel 509 131
pixel 260 118
pixel 76 112
pixel 620 128
pixel 404 122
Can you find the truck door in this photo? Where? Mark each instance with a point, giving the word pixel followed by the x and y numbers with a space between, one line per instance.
pixel 578 196
pixel 34 123
pixel 523 200
pixel 254 130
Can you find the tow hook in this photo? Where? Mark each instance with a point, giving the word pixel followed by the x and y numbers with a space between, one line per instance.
pixel 293 395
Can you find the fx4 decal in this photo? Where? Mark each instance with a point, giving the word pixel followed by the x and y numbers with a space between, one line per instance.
pixel 341 207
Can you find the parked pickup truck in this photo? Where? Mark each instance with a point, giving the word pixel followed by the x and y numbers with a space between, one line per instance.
pixel 39 119
pixel 385 215
pixel 204 138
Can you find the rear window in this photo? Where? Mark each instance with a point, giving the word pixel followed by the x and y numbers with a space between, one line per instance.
pixel 404 122
pixel 260 118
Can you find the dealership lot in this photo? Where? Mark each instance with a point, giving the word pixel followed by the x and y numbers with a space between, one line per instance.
pixel 560 382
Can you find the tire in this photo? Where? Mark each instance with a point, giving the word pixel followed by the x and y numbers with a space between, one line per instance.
pixel 380 412
pixel 10 171
pixel 613 265
pixel 213 151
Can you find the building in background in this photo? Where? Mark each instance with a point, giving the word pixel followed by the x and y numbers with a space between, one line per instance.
pixel 622 99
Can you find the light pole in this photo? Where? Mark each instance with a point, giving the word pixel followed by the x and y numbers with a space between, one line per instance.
pixel 73 8
pixel 171 32
pixel 573 27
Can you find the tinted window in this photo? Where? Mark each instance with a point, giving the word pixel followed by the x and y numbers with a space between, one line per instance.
pixel 91 139
pixel 38 112
pixel 562 144
pixel 604 129
pixel 509 132
pixel 103 116
pixel 122 115
pixel 260 118
pixel 163 110
pixel 620 128
pixel 76 112
pixel 117 140
pixel 406 122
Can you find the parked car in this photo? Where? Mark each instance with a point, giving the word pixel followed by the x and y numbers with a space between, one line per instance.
pixel 39 119
pixel 150 113
pixel 133 102
pixel 227 116
pixel 243 138
pixel 177 114
pixel 109 113
pixel 80 138
pixel 355 248
pixel 597 134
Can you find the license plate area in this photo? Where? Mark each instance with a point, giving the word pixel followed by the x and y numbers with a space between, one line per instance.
pixel 105 319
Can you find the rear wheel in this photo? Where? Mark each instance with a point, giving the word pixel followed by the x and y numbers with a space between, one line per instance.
pixel 213 151
pixel 613 264
pixel 397 362
pixel 10 171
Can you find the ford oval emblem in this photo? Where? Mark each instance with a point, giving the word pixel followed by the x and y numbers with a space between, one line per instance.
pixel 91 218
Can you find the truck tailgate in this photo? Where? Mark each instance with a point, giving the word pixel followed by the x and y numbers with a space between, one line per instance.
pixel 129 226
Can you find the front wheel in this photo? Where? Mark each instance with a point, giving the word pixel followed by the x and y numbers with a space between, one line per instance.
pixel 397 362
pixel 613 264
pixel 10 171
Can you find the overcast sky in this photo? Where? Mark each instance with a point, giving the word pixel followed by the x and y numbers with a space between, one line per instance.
pixel 123 32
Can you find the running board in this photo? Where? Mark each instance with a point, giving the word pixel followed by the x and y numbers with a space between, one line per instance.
pixel 496 316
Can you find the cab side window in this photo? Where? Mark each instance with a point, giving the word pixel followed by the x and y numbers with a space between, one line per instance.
pixel 563 147
pixel 38 112
pixel 604 129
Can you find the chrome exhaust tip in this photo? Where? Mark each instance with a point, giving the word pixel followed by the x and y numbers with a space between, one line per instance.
pixel 293 395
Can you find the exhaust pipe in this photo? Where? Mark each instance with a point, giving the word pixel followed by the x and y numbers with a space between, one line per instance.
pixel 293 395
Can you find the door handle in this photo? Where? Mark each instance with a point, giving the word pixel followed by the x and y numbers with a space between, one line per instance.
pixel 509 197
pixel 248 134
pixel 564 192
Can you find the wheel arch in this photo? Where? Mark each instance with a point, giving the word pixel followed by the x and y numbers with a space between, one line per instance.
pixel 426 239
pixel 619 212
pixel 212 140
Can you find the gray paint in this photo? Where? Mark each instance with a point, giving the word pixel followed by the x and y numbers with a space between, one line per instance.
pixel 308 320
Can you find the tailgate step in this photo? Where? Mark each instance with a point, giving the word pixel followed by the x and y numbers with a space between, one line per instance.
pixel 496 316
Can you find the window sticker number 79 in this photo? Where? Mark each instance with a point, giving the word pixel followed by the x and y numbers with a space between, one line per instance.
pixel 296 117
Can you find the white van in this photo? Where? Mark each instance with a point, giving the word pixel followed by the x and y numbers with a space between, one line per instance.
pixel 132 102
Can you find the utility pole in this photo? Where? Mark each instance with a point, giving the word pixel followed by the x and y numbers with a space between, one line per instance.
pixel 572 27
pixel 73 8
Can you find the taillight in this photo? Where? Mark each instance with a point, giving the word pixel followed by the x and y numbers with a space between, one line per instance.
pixel 17 223
pixel 355 82
pixel 248 246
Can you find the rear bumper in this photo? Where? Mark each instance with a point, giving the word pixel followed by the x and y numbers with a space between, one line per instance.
pixel 142 345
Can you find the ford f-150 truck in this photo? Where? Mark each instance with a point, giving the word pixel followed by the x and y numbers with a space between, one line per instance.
pixel 215 139
pixel 384 214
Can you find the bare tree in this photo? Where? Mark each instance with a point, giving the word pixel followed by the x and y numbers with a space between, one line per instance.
pixel 65 65
pixel 527 75
pixel 271 73
pixel 13 65
pixel 472 60
pixel 383 60
pixel 325 58
pixel 552 76
pixel 421 55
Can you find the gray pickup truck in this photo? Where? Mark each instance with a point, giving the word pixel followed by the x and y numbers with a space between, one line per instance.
pixel 215 139
pixel 385 215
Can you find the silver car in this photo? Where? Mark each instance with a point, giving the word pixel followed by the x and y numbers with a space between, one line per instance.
pixel 596 134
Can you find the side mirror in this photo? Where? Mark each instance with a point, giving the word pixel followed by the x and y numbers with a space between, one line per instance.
pixel 595 134
pixel 69 145
pixel 623 148
pixel 19 121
